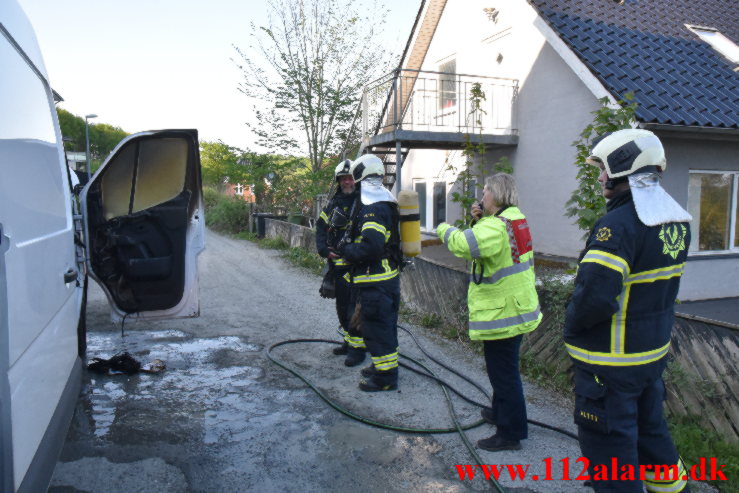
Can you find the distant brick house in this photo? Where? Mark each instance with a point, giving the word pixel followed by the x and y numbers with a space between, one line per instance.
pixel 239 190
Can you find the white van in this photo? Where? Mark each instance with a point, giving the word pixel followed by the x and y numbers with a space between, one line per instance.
pixel 138 233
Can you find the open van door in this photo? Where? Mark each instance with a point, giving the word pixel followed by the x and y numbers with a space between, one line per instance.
pixel 144 225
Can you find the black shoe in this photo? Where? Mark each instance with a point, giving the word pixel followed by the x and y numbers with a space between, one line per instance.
pixel 487 415
pixel 496 443
pixel 341 350
pixel 368 371
pixel 355 357
pixel 372 386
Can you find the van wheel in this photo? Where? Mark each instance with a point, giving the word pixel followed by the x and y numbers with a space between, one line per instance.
pixel 82 324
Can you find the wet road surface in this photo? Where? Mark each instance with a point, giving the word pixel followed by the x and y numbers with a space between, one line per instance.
pixel 223 418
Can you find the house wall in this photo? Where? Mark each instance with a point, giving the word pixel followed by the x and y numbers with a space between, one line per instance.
pixel 553 107
pixel 706 276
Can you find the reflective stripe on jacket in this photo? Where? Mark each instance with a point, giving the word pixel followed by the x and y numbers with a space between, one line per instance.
pixel 505 303
pixel 326 238
pixel 374 239
pixel 621 312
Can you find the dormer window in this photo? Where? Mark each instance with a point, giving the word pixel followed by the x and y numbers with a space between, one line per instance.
pixel 718 41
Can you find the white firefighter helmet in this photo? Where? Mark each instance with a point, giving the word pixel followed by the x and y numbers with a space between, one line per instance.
pixel 367 165
pixel 369 171
pixel 343 169
pixel 637 156
pixel 624 152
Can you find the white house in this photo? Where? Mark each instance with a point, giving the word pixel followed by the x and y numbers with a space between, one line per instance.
pixel 543 65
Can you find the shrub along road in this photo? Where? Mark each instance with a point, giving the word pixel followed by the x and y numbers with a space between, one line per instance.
pixel 222 417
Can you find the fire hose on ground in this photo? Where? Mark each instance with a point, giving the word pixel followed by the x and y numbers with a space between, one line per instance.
pixel 427 372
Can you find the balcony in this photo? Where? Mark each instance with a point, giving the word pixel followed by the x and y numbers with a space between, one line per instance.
pixel 434 110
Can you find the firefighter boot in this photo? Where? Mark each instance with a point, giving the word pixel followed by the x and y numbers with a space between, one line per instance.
pixel 368 371
pixel 354 356
pixel 341 350
pixel 380 381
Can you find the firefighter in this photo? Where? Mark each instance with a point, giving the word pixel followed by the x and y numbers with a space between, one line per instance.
pixel 375 256
pixel 619 320
pixel 502 301
pixel 330 229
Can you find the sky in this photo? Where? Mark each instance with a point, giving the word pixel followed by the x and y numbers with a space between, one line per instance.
pixel 155 64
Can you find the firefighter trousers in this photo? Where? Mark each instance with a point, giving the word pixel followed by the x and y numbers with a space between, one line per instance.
pixel 380 304
pixel 345 303
pixel 622 427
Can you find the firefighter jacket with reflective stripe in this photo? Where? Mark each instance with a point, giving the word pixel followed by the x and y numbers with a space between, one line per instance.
pixel 375 250
pixel 504 303
pixel 326 236
pixel 621 312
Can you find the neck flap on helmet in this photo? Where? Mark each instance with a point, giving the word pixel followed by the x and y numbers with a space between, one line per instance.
pixel 374 191
pixel 653 204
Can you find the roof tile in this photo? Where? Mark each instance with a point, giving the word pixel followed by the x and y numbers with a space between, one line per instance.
pixel 644 46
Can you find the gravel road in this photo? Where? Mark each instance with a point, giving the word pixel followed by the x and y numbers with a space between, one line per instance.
pixel 223 418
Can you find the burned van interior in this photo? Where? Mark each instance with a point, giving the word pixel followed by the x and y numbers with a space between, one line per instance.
pixel 139 209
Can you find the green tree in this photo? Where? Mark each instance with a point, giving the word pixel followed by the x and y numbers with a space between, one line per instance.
pixel 103 137
pixel 220 162
pixel 586 203
pixel 72 127
pixel 311 62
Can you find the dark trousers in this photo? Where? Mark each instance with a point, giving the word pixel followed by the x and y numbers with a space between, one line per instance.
pixel 345 303
pixel 509 406
pixel 625 423
pixel 380 304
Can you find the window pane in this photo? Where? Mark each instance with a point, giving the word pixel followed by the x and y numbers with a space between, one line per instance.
pixel 709 202
pixel 448 84
pixel 439 203
pixel 161 173
pixel 421 190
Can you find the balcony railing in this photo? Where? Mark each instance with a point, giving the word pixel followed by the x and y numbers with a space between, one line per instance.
pixel 438 102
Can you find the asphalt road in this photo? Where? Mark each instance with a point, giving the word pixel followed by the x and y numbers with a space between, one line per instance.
pixel 223 418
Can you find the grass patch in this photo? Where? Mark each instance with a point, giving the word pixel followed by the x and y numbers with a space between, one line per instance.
pixel 273 243
pixel 247 235
pixel 306 259
pixel 694 441
pixel 546 375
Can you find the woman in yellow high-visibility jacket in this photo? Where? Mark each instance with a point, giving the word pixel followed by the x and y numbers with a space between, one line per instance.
pixel 502 300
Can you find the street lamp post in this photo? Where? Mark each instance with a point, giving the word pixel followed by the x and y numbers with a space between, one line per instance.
pixel 87 143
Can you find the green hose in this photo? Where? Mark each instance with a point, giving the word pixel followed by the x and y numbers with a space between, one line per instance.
pixel 457 426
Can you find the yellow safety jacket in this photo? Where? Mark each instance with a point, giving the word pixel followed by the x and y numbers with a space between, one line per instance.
pixel 504 303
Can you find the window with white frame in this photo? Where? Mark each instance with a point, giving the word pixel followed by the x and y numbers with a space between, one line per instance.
pixel 420 188
pixel 239 189
pixel 448 84
pixel 439 203
pixel 718 41
pixel 431 203
pixel 713 201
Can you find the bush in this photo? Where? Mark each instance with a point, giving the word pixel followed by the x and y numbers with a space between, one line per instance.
pixel 226 214
pixel 210 198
